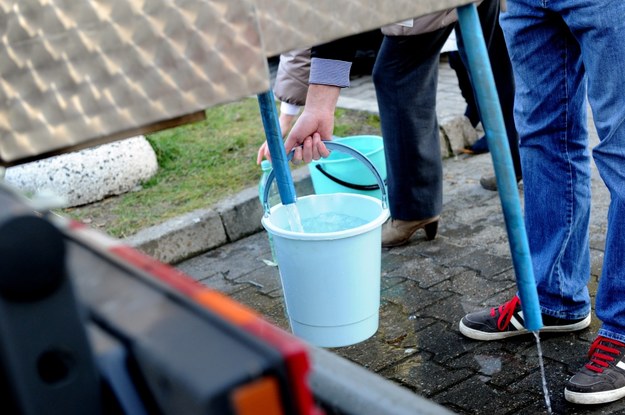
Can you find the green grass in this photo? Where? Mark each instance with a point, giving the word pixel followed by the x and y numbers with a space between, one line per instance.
pixel 199 164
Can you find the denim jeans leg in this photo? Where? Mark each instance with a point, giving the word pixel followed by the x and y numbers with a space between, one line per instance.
pixel 550 115
pixel 600 29
pixel 405 76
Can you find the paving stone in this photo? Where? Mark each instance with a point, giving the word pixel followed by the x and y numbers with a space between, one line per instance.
pixel 411 297
pixel 475 288
pixel 271 308
pixel 556 378
pixel 497 299
pixel 449 311
pixel 597 237
pixel 596 262
pixel 494 364
pixel 233 261
pixel 588 336
pixel 474 396
pixel 424 376
pixel 398 326
pixel 441 250
pixel 485 264
pixel 265 279
pixel 562 348
pixel 535 408
pixel 223 285
pixel 445 345
pixel 389 281
pixel 393 259
pixel 373 353
pixel 424 271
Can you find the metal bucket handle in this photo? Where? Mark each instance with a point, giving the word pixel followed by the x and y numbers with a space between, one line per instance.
pixel 349 185
pixel 343 148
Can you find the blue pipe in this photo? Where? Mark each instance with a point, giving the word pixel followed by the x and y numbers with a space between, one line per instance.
pixel 279 160
pixel 492 120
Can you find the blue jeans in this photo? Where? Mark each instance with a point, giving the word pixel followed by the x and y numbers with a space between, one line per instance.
pixel 562 52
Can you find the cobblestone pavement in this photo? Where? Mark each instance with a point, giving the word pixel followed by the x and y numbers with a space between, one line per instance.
pixel 426 288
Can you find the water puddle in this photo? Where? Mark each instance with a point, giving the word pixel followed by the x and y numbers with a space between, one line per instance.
pixel 489 365
pixel 542 373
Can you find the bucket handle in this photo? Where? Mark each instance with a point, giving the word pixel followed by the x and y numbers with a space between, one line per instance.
pixel 349 185
pixel 343 148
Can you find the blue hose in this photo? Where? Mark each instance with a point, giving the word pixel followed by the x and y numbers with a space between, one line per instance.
pixel 492 120
pixel 279 161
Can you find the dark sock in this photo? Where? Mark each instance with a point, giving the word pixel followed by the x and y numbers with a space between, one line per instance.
pixel 480 146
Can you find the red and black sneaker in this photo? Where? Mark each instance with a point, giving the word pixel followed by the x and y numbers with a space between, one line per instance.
pixel 506 321
pixel 602 379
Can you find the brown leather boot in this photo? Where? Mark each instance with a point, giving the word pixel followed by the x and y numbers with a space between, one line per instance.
pixel 490 182
pixel 397 232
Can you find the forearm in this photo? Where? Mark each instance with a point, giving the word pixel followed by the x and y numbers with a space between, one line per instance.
pixel 322 99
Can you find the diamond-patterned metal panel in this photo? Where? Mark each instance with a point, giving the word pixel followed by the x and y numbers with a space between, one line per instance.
pixel 293 24
pixel 74 74
pixel 83 71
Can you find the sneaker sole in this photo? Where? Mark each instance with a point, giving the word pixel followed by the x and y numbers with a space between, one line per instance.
pixel 593 398
pixel 480 335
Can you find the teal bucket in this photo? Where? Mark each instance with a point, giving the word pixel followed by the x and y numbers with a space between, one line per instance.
pixel 341 173
pixel 330 275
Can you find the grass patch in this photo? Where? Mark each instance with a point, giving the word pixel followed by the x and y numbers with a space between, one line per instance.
pixel 199 164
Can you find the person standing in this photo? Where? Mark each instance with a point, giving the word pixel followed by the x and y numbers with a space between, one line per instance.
pixel 564 52
pixel 405 77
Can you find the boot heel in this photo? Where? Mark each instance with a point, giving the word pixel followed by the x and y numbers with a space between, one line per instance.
pixel 430 230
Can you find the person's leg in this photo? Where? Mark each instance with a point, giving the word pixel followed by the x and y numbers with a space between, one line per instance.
pixel 597 26
pixel 502 73
pixel 466 89
pixel 550 116
pixel 603 50
pixel 405 77
pixel 551 120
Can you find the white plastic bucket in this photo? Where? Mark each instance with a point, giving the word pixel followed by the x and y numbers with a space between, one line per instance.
pixel 331 280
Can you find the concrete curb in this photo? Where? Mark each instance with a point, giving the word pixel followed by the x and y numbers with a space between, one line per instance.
pixel 229 220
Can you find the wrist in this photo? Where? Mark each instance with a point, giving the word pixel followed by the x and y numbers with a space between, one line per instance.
pixel 322 98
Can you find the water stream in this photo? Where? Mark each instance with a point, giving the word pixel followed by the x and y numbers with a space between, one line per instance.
pixel 295 222
pixel 542 373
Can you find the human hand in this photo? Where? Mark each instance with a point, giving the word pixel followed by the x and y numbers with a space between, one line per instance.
pixel 315 125
pixel 263 153
pixel 286 122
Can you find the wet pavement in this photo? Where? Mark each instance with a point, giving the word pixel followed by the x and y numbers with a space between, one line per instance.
pixel 426 288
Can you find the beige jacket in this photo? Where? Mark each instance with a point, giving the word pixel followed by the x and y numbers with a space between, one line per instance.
pixel 423 24
pixel 291 83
